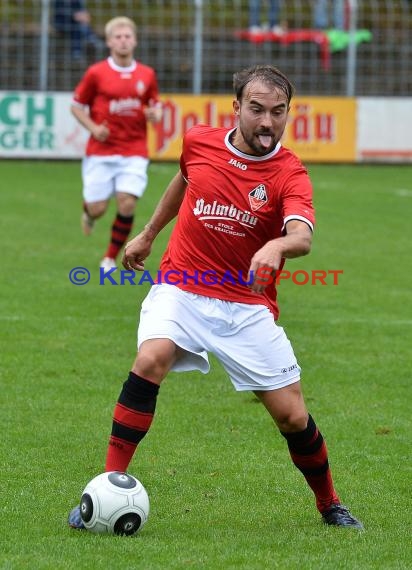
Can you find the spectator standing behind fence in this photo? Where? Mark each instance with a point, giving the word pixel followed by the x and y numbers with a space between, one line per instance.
pixel 73 19
pixel 321 14
pixel 121 95
pixel 255 26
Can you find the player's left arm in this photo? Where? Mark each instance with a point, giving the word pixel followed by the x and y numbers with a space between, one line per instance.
pixel 296 242
pixel 297 211
pixel 154 110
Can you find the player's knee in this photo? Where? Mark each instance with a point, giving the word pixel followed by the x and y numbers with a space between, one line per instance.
pixel 292 421
pixel 127 205
pixel 155 358
pixel 96 209
pixel 153 365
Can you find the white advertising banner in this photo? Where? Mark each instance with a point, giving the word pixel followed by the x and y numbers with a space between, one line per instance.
pixel 39 125
pixel 384 129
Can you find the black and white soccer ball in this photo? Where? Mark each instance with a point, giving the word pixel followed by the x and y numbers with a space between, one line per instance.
pixel 114 503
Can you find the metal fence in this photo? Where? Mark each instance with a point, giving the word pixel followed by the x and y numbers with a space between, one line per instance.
pixel 195 46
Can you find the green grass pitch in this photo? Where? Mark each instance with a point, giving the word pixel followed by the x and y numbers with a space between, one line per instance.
pixel 224 494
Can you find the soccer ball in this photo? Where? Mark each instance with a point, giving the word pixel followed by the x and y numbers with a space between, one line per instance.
pixel 114 503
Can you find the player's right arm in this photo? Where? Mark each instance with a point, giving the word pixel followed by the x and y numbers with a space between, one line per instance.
pixel 139 248
pixel 99 132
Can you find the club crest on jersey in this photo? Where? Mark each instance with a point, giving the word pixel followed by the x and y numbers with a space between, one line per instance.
pixel 258 197
pixel 140 87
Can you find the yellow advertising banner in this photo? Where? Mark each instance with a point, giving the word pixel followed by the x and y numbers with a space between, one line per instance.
pixel 320 129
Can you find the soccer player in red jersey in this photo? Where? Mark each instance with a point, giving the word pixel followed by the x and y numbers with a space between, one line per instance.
pixel 114 101
pixel 243 204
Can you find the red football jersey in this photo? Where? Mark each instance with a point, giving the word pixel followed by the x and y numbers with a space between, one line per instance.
pixel 117 95
pixel 234 203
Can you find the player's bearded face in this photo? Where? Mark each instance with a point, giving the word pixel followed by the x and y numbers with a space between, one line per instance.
pixel 262 112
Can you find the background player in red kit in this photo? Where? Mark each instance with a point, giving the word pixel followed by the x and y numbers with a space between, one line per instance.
pixel 121 95
pixel 243 203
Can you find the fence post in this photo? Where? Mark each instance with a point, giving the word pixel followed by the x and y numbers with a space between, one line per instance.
pixel 198 48
pixel 351 55
pixel 44 45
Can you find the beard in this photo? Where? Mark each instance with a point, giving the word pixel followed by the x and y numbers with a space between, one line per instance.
pixel 262 142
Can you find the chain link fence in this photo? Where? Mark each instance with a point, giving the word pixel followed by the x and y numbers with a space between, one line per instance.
pixel 195 46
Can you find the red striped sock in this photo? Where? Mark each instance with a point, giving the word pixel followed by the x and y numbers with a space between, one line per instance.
pixel 121 228
pixel 132 418
pixel 310 455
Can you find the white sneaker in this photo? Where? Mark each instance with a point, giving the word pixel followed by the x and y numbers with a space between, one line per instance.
pixel 278 30
pixel 108 263
pixel 87 223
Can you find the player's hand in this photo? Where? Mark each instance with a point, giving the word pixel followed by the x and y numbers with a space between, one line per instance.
pixel 264 265
pixel 153 112
pixel 136 251
pixel 101 132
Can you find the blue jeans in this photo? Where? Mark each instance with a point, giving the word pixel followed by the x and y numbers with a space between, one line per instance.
pixel 321 14
pixel 254 12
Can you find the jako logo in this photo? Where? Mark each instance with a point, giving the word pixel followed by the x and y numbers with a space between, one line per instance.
pixel 238 164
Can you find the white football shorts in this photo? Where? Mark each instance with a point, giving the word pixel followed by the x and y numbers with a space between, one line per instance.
pixel 253 349
pixel 105 175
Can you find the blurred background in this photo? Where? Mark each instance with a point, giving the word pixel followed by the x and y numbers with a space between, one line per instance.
pixel 196 45
pixel 350 61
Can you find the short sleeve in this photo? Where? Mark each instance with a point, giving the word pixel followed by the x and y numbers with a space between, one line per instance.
pixel 297 202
